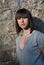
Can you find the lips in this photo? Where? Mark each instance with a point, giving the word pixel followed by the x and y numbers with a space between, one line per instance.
pixel 22 24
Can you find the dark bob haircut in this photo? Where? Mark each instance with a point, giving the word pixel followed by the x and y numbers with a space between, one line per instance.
pixel 23 13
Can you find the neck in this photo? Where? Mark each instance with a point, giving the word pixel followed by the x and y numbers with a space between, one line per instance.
pixel 26 31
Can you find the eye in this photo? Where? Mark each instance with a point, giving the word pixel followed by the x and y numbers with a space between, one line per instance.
pixel 19 18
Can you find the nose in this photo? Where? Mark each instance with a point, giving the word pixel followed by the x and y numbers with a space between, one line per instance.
pixel 22 20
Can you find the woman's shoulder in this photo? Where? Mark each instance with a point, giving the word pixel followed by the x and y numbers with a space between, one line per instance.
pixel 20 34
pixel 39 39
pixel 38 33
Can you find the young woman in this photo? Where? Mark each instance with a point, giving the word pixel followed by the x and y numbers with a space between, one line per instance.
pixel 30 42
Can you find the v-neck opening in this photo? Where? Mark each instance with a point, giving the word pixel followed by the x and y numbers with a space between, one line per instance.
pixel 26 42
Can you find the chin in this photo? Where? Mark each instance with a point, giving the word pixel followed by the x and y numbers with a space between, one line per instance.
pixel 23 27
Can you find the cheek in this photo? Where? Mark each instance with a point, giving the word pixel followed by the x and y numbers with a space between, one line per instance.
pixel 19 23
pixel 26 22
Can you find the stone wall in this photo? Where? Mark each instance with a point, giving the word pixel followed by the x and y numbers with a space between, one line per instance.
pixel 7 23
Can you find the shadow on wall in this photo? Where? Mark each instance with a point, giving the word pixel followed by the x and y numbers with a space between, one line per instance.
pixel 38 24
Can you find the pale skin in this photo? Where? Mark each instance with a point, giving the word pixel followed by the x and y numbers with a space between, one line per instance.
pixel 23 23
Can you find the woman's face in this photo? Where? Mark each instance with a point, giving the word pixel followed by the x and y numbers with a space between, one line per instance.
pixel 23 22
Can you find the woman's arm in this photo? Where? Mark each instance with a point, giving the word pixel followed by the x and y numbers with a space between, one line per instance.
pixel 40 41
pixel 42 51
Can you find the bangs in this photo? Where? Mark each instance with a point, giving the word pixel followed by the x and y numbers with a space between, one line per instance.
pixel 21 15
